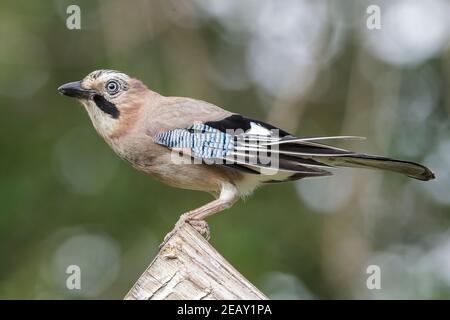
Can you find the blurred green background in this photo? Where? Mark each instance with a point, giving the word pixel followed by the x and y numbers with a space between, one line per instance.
pixel 311 67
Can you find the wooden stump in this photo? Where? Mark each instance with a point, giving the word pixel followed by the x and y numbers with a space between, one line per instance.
pixel 188 267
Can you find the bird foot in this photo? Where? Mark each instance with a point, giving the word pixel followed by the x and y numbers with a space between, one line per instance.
pixel 201 226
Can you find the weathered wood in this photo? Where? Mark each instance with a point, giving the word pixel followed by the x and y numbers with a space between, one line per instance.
pixel 188 267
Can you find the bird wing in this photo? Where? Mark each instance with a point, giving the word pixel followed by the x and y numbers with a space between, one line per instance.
pixel 251 146
pixel 255 147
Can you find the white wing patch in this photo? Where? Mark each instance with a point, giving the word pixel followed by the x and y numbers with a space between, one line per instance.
pixel 258 129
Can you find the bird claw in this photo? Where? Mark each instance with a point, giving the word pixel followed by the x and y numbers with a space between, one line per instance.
pixel 201 226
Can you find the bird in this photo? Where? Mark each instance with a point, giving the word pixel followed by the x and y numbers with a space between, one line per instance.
pixel 192 144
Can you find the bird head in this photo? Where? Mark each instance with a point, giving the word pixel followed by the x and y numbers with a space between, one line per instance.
pixel 110 98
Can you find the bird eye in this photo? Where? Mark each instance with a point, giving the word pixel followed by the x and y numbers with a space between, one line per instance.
pixel 112 87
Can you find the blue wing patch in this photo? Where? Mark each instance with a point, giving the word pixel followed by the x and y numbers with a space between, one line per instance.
pixel 205 142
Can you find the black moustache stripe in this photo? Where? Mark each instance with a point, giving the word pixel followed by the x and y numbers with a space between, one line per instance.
pixel 106 106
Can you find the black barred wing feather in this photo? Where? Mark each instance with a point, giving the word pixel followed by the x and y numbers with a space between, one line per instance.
pixel 204 142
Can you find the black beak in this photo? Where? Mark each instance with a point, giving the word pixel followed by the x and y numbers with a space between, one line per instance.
pixel 74 90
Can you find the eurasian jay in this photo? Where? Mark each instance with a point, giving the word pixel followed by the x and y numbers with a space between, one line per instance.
pixel 192 144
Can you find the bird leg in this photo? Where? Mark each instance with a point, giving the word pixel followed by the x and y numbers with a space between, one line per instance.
pixel 195 218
